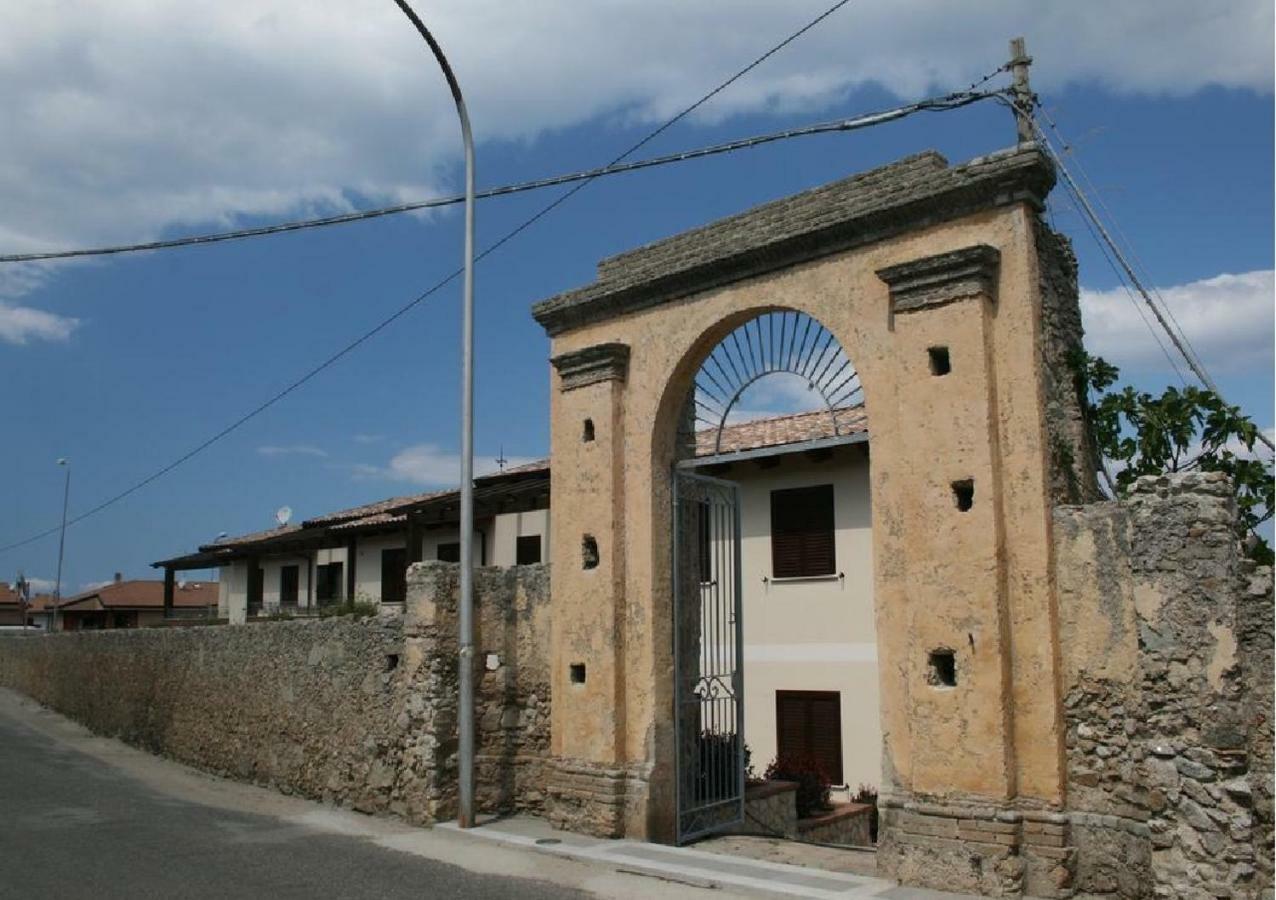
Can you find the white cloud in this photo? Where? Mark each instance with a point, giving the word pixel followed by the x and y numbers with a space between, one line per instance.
pixel 124 118
pixel 428 465
pixel 20 324
pixel 291 450
pixel 1229 320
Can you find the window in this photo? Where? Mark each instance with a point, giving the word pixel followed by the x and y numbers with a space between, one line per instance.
pixel 449 552
pixel 289 579
pixel 328 582
pixel 394 575
pixel 809 724
pixel 527 550
pixel 802 532
pixel 256 587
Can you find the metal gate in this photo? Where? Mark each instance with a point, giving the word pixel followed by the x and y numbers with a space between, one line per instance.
pixel 708 655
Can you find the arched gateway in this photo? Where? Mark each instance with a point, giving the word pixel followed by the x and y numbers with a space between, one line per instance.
pixel 935 281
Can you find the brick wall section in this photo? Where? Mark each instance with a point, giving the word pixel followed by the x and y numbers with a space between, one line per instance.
pixel 360 713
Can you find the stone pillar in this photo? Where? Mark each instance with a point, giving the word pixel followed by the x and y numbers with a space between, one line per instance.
pixel 168 592
pixel 587 782
pixel 968 649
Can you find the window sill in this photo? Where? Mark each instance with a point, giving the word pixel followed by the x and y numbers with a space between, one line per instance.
pixel 798 579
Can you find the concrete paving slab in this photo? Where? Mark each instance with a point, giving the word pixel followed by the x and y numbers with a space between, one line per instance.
pixel 688 865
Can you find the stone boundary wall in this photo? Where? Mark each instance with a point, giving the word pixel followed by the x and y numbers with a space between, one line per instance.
pixel 1166 637
pixel 511 681
pixel 354 712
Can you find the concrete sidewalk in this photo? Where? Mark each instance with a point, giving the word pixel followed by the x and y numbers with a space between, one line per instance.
pixel 686 865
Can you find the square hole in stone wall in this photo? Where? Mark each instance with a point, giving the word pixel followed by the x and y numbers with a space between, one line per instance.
pixel 589 552
pixel 964 494
pixel 577 671
pixel 942 671
pixel 940 364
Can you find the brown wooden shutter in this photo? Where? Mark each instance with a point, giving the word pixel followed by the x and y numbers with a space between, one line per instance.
pixel 808 724
pixel 802 537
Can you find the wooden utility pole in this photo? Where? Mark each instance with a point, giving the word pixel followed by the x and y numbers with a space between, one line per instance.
pixel 1024 98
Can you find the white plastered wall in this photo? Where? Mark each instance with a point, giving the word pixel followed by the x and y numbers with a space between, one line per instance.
pixel 271 567
pixel 507 528
pixel 811 635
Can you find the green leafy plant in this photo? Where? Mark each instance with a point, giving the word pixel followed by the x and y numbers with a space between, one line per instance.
pixel 812 780
pixel 360 609
pixel 1182 430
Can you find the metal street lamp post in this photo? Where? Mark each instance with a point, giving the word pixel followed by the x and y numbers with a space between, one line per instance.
pixel 465 716
pixel 66 496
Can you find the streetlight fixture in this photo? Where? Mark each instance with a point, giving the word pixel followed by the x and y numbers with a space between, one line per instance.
pixel 66 496
pixel 465 714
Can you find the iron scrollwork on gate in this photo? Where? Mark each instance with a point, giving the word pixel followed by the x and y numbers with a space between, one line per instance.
pixel 708 655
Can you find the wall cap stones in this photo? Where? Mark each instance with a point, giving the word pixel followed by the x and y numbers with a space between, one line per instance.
pixel 943 278
pixel 913 193
pixel 590 365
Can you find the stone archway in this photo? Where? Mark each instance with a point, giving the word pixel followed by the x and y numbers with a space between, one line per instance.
pixel 723 581
pixel 930 276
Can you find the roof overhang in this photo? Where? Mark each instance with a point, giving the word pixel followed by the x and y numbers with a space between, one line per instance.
pixel 718 459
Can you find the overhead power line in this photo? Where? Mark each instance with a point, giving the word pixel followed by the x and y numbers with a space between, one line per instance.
pixel 932 104
pixel 1088 212
pixel 384 323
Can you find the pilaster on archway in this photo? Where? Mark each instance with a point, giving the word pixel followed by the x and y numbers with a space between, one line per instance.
pixel 929 277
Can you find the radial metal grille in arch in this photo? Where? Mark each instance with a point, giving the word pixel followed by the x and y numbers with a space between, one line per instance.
pixel 781 341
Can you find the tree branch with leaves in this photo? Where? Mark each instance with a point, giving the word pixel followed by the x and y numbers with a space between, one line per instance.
pixel 1183 430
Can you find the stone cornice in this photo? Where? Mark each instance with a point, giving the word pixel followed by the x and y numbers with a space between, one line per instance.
pixel 913 193
pixel 590 365
pixel 943 278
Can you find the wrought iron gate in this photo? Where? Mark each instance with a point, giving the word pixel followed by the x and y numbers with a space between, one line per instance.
pixel 708 655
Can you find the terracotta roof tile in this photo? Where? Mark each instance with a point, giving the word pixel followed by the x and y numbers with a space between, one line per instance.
pixel 135 594
pixel 252 537
pixel 781 430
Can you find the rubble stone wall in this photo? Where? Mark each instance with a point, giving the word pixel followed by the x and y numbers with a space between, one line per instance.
pixel 357 712
pixel 1166 638
pixel 1073 461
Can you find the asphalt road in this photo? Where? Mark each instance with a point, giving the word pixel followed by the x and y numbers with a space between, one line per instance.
pixel 73 825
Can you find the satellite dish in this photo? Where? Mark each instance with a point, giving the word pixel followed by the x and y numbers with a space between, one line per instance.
pixel 282 515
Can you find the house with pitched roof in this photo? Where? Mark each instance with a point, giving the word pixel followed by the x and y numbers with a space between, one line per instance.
pixel 807 579
pixel 361 554
pixel 133 603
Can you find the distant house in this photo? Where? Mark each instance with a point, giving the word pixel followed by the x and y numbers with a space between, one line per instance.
pixel 362 554
pixel 11 612
pixel 132 604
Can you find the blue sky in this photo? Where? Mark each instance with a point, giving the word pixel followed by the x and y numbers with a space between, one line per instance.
pixel 126 364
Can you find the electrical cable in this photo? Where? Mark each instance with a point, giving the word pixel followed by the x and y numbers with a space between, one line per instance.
pixel 1088 211
pixel 527 223
pixel 946 102
pixel 1066 147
